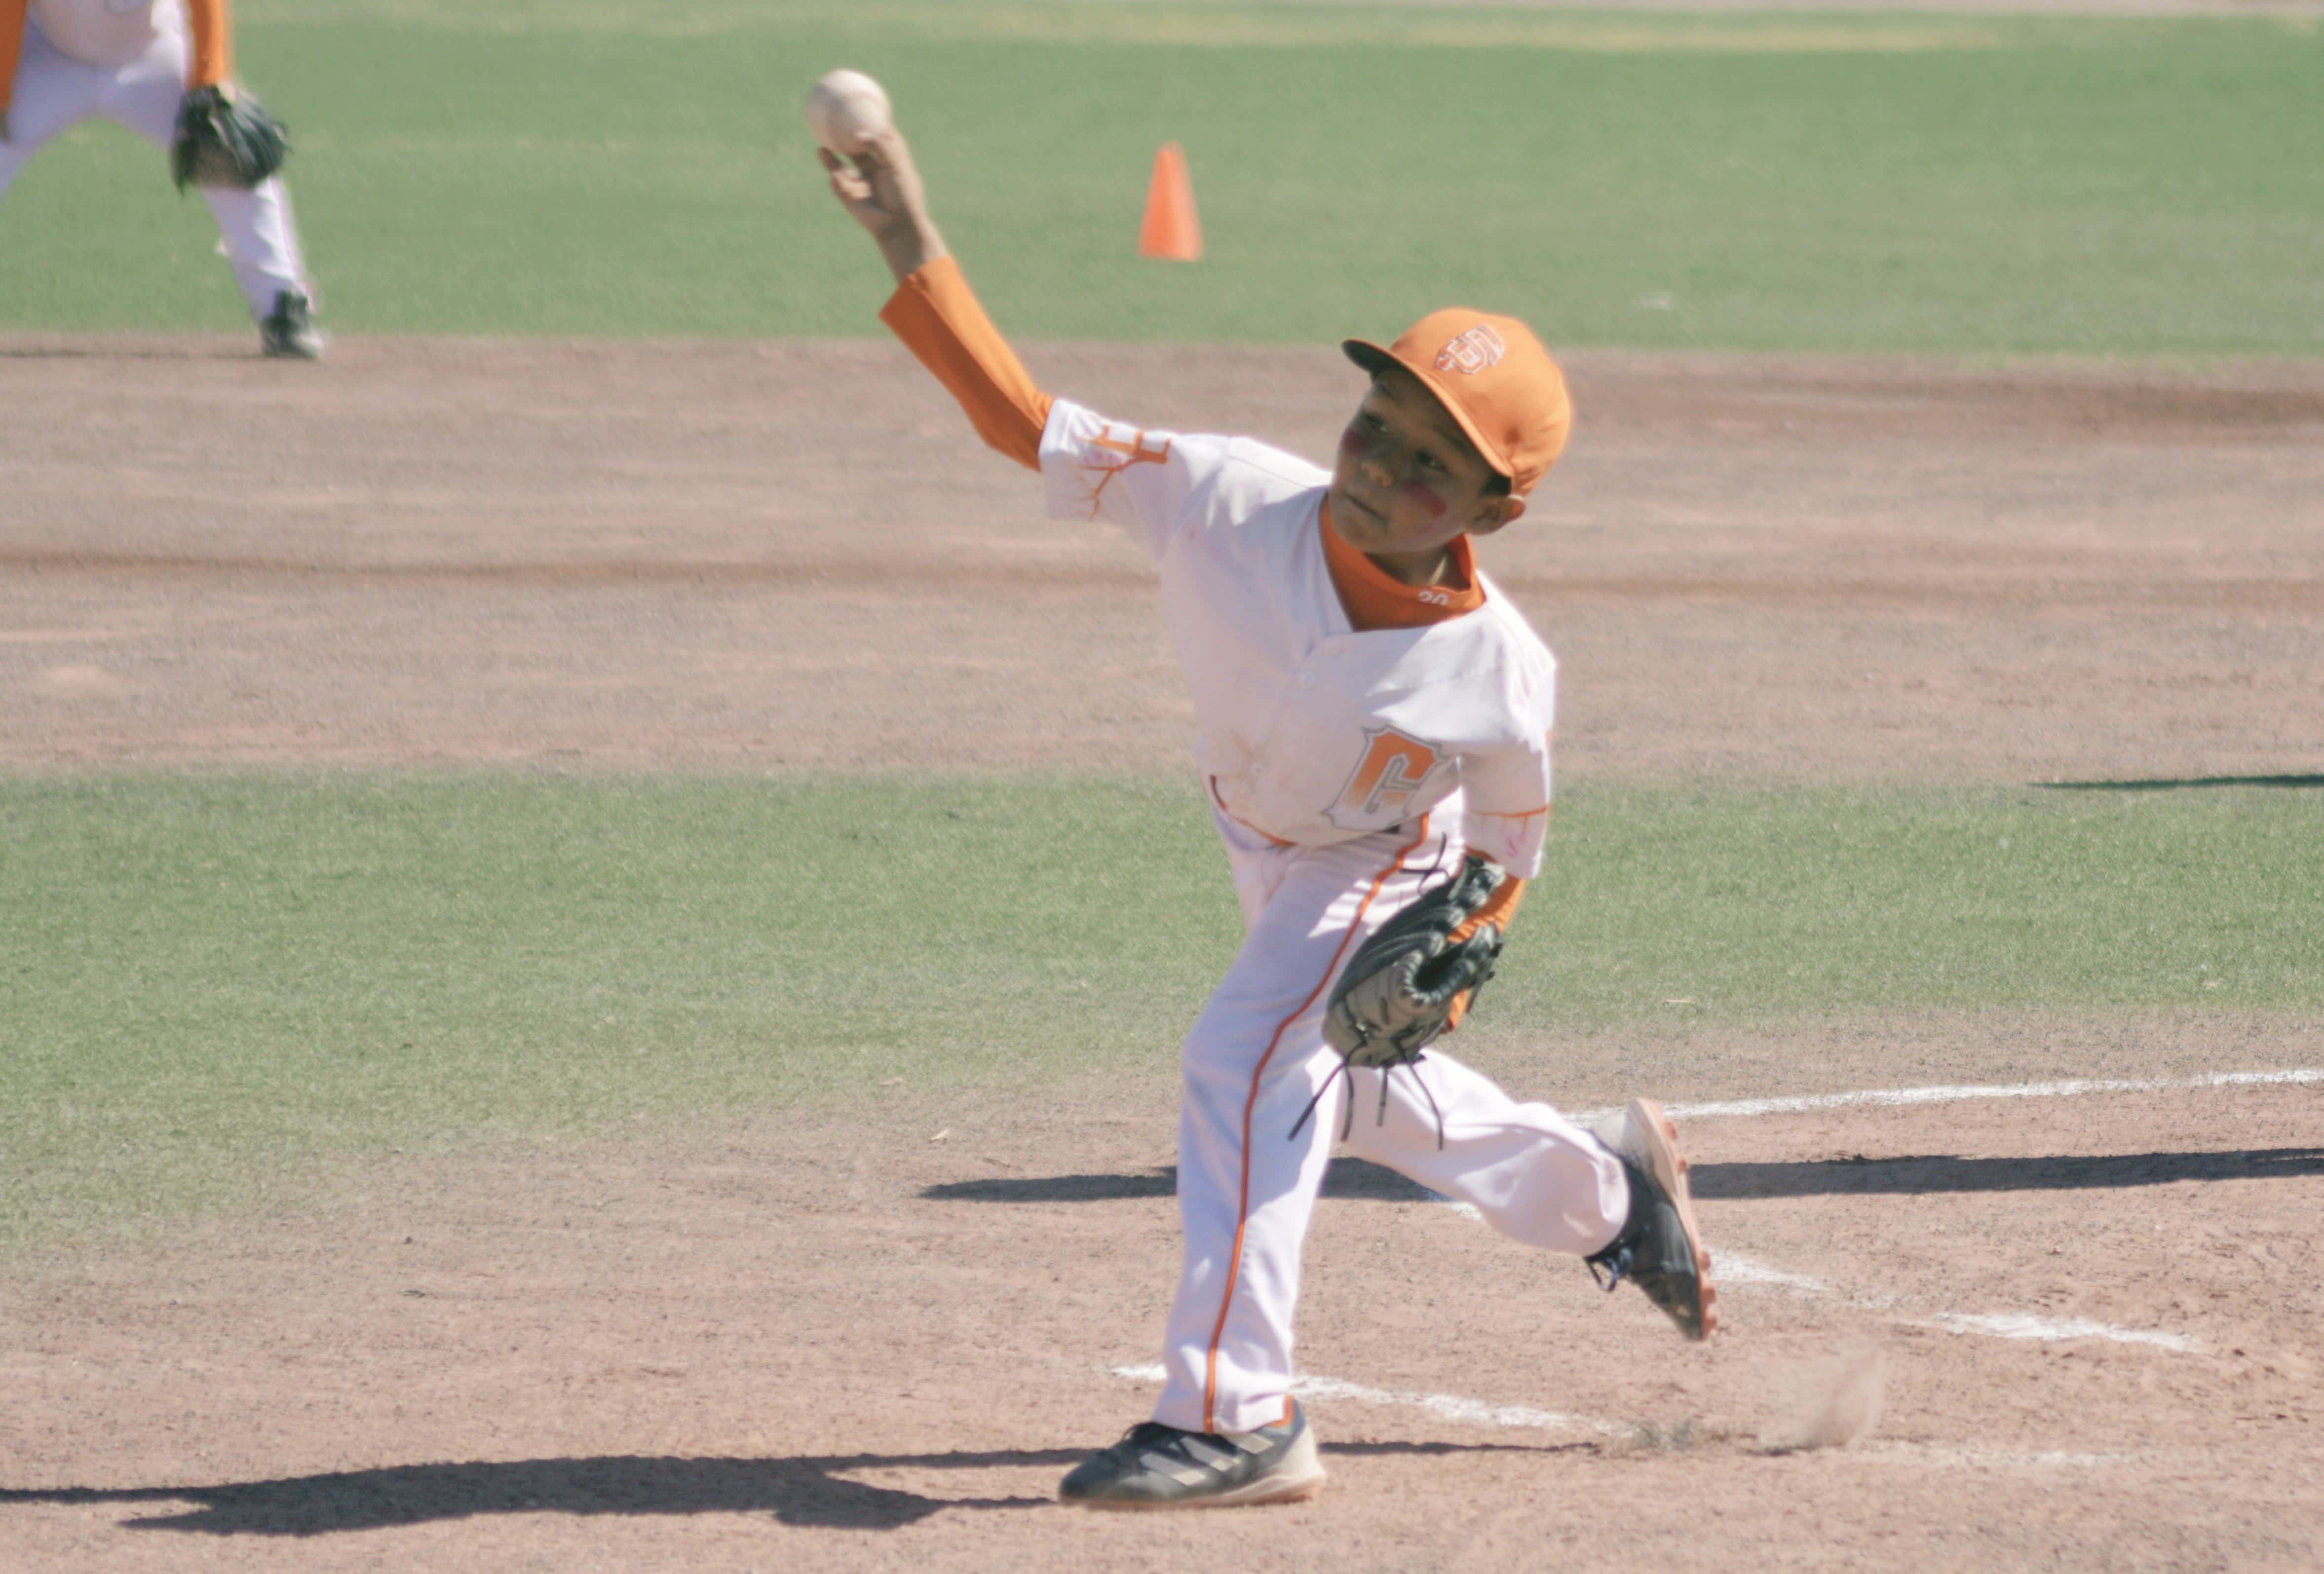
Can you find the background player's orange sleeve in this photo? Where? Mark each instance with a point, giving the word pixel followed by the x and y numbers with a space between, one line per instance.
pixel 12 41
pixel 942 322
pixel 213 43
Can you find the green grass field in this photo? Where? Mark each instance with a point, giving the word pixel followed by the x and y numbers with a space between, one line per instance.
pixel 1908 182
pixel 211 986
pixel 208 986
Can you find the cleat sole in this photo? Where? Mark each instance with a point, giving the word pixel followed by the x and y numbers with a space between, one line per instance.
pixel 1669 1167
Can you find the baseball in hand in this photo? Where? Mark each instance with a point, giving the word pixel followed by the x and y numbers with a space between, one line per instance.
pixel 845 108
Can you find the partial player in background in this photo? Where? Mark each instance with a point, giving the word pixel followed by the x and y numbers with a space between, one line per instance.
pixel 144 64
pixel 1375 721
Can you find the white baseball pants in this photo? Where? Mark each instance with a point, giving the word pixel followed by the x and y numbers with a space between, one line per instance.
pixel 1257 1055
pixel 55 92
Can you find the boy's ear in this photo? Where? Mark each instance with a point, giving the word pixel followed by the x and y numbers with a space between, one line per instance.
pixel 1494 512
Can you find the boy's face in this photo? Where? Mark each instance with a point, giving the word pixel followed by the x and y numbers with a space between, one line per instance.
pixel 1408 480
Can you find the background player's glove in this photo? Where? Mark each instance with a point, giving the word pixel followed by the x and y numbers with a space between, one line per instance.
pixel 1416 978
pixel 224 137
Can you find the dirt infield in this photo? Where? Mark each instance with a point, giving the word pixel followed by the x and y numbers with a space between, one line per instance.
pixel 852 1347
pixel 875 1341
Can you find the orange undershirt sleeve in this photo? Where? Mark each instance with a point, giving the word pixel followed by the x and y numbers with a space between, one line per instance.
pixel 943 325
pixel 11 42
pixel 213 43
pixel 1499 909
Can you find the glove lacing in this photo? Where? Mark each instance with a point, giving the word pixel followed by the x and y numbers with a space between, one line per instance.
pixel 1347 1071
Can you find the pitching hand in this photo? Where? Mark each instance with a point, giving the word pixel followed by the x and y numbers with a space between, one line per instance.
pixel 881 190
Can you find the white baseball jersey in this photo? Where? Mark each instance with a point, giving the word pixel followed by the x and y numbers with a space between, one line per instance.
pixel 105 33
pixel 1313 733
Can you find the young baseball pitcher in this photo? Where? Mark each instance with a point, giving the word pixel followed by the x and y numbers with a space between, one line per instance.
pixel 64 61
pixel 1375 721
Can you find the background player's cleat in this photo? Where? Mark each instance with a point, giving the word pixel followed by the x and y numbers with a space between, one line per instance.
pixel 1660 1248
pixel 289 331
pixel 1156 1466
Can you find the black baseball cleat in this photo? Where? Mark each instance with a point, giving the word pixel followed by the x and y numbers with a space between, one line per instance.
pixel 289 331
pixel 1660 1249
pixel 1156 1466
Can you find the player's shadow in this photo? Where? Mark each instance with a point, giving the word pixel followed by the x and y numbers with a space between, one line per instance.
pixel 2180 784
pixel 1355 1178
pixel 811 1491
pixel 1911 1175
pixel 808 1491
pixel 1921 1173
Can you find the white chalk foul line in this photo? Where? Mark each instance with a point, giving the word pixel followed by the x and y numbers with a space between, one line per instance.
pixel 1731 1270
pixel 1445 1406
pixel 1477 1412
pixel 2021 1325
pixel 1738 1270
pixel 1891 1098
pixel 1912 1453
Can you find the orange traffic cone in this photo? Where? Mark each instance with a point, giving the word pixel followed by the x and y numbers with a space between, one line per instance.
pixel 1171 230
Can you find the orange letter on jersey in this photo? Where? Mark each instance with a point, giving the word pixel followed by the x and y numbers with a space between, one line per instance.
pixel 1394 769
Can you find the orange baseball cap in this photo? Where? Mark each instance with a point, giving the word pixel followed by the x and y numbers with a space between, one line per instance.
pixel 1494 377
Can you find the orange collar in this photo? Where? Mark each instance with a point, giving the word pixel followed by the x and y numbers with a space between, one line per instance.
pixel 1375 600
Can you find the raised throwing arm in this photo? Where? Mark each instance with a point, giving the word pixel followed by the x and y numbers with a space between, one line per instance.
pixel 933 311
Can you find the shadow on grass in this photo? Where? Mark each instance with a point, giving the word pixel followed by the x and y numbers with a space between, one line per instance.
pixel 1352 1178
pixel 1361 1180
pixel 2180 784
pixel 808 1491
pixel 1923 1173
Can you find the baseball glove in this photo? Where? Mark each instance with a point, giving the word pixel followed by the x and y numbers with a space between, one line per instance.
pixel 1413 980
pixel 224 137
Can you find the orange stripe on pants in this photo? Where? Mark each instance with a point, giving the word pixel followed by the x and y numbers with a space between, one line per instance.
pixel 1251 1103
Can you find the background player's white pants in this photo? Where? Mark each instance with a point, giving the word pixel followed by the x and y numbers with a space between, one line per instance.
pixel 1256 1057
pixel 54 92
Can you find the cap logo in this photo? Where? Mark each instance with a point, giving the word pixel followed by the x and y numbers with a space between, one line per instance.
pixel 1473 352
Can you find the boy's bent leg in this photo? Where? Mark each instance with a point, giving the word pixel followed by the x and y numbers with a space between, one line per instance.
pixel 1535 1176
pixel 1246 1185
pixel 1620 1199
